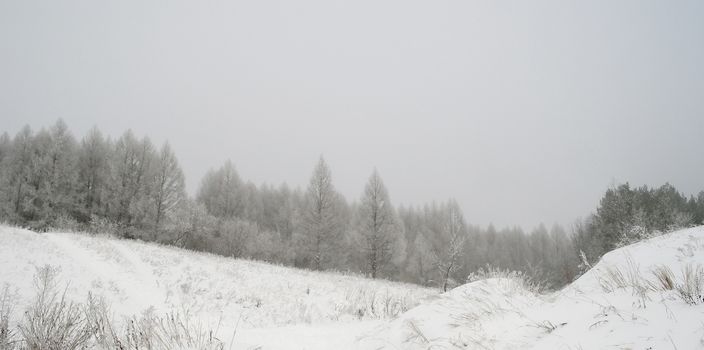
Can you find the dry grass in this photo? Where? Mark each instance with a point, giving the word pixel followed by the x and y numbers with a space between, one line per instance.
pixel 365 302
pixel 521 279
pixel 665 279
pixel 52 322
pixel 691 290
pixel 8 337
pixel 613 278
pixel 690 287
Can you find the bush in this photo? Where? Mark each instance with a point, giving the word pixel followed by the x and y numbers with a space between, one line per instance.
pixel 52 322
pixel 99 224
pixel 171 331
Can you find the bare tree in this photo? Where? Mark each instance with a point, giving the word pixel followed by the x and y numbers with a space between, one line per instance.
pixel 378 224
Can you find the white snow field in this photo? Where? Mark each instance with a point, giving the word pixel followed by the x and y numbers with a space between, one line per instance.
pixel 268 306
pixel 618 304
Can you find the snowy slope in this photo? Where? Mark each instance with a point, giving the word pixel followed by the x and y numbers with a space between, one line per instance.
pixel 314 309
pixel 616 305
pixel 593 313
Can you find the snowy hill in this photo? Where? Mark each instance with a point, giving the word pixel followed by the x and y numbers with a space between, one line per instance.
pixel 636 297
pixel 618 304
pixel 316 309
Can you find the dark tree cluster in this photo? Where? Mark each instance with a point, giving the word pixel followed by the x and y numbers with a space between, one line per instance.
pixel 626 215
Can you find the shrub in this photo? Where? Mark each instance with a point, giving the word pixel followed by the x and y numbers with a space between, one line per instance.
pixel 171 331
pixel 52 322
pixel 99 224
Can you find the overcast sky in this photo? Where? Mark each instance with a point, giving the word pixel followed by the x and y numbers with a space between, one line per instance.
pixel 524 111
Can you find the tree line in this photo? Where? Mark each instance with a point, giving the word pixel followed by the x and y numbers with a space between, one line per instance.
pixel 132 188
pixel 626 215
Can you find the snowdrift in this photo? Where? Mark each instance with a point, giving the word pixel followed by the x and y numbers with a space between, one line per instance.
pixel 621 303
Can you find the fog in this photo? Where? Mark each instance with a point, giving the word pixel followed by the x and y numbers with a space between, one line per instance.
pixel 525 112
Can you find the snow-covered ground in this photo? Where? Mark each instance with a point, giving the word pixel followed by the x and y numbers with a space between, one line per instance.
pixel 618 304
pixel 309 309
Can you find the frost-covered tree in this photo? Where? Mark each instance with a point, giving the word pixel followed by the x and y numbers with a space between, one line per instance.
pixel 235 234
pixel 221 192
pixel 61 171
pixel 93 172
pixel 16 171
pixel 132 161
pixel 5 144
pixel 447 254
pixel 321 223
pixel 562 260
pixel 190 226
pixel 378 226
pixel 421 260
pixel 168 188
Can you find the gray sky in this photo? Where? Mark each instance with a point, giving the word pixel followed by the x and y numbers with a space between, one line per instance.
pixel 524 111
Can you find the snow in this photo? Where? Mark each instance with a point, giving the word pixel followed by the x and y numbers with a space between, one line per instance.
pixel 316 310
pixel 500 314
pixel 274 307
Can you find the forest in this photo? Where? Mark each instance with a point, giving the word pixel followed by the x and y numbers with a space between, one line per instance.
pixel 129 187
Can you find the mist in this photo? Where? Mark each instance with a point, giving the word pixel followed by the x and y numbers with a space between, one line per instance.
pixel 522 112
